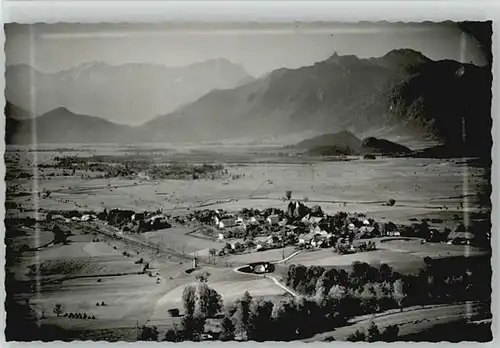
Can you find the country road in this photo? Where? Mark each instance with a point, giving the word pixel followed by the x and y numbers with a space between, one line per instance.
pixel 286 258
pixel 412 320
pixel 290 291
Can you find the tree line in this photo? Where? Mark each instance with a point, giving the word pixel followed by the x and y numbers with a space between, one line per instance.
pixel 329 298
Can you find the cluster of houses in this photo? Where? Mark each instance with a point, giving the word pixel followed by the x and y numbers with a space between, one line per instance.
pixel 306 228
pixel 126 220
pixel 68 217
pixel 299 225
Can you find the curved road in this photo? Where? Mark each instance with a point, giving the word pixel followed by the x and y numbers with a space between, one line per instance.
pixel 411 320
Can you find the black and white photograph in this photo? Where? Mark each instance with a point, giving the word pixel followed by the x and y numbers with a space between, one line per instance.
pixel 292 181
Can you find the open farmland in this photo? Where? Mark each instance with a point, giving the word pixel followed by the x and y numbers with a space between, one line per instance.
pixel 98 266
pixel 421 187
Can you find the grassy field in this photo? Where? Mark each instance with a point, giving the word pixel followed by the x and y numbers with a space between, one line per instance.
pixel 404 256
pixel 421 187
pixel 178 238
pixel 93 272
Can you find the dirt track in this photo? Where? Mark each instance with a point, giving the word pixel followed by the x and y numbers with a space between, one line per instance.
pixel 411 320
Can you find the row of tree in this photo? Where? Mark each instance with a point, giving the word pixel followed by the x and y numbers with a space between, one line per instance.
pixel 373 334
pixel 438 281
pixel 330 298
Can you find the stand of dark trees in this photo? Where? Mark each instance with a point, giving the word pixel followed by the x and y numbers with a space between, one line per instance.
pixel 440 281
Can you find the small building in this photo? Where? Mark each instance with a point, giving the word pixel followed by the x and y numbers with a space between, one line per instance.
pixel 306 238
pixel 271 240
pixel 153 218
pixel 221 236
pixel 273 219
pixel 260 269
pixel 58 217
pixel 366 232
pixel 394 233
pixel 253 221
pixel 138 216
pixel 87 217
pixel 174 312
pixel 226 223
pixel 259 247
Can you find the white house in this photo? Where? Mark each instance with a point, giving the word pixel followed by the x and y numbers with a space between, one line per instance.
pixel 58 217
pixel 225 223
pixel 221 236
pixel 153 218
pixel 86 217
pixel 260 268
pixel 216 220
pixel 253 220
pixel 366 230
pixel 394 233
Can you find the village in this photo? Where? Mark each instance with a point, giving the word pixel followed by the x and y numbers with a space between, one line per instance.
pixel 300 226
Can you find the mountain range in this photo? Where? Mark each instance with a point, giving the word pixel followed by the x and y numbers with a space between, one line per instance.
pixel 62 125
pixel 130 94
pixel 402 93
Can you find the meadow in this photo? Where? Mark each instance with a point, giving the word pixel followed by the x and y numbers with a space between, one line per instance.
pixel 90 272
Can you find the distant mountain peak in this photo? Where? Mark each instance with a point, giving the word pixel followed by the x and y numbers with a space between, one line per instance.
pixel 406 52
pixel 403 57
pixel 60 109
pixel 130 92
pixel 347 59
pixel 219 60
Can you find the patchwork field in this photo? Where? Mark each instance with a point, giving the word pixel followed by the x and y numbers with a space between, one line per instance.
pixel 85 272
pixel 421 187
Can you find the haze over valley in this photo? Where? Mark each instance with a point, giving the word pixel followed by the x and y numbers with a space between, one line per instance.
pixel 393 96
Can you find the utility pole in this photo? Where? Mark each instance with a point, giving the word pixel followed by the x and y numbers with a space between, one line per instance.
pixel 137 330
pixel 283 244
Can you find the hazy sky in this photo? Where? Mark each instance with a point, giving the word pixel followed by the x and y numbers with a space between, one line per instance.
pixel 258 48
